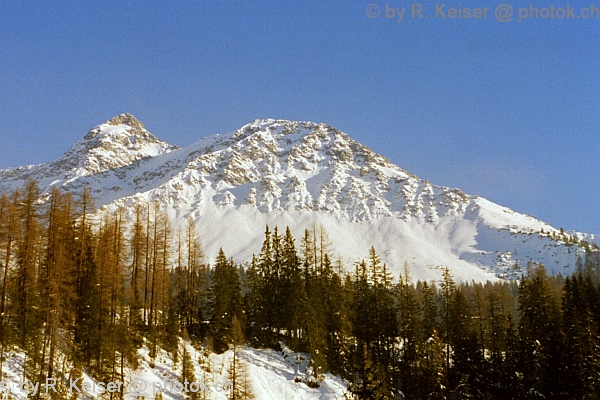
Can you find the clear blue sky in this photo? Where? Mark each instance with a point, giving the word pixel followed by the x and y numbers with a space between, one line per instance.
pixel 508 111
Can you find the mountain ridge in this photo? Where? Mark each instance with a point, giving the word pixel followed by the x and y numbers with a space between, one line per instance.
pixel 302 174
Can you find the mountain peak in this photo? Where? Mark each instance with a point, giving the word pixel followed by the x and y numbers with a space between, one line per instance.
pixel 115 143
pixel 111 146
pixel 127 121
pixel 302 174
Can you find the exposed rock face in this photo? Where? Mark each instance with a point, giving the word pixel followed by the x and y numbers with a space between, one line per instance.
pixel 115 144
pixel 135 127
pixel 280 172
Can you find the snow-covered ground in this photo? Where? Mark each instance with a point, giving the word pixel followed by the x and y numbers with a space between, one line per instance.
pixel 272 375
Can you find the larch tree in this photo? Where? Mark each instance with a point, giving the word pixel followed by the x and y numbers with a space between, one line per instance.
pixel 138 257
pixel 239 380
pixel 9 219
pixel 55 280
pixel 28 321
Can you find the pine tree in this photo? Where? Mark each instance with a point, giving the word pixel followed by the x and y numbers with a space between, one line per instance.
pixel 171 324
pixel 85 291
pixel 374 321
pixel 308 253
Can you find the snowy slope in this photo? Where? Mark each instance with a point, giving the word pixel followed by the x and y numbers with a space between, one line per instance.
pixel 303 174
pixel 272 376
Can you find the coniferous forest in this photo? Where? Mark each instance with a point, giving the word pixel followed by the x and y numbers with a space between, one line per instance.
pixel 98 289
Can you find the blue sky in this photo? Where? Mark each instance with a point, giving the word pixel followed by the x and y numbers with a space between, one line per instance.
pixel 508 111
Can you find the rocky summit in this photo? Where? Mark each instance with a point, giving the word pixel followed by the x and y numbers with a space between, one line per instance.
pixel 304 175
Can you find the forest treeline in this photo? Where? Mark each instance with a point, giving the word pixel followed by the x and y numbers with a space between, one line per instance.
pixel 92 291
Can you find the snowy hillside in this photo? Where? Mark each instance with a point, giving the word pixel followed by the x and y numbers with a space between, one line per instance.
pixel 271 375
pixel 303 174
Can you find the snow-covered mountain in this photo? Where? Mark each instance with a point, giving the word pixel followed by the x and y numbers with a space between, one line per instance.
pixel 302 175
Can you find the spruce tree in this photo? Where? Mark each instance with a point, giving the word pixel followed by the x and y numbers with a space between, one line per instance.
pixel 225 302
pixel 447 291
pixel 369 381
pixel 429 310
pixel 468 364
pixel 582 343
pixel 431 378
pixel 338 323
pixel 540 333
pixel 253 303
pixel 293 292
pixel 315 324
pixel 411 337
pixel 267 280
pixel 87 314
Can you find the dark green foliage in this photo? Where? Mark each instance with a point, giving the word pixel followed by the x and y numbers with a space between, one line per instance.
pixel 264 277
pixel 540 334
pixel 87 335
pixel 188 372
pixel 225 302
pixel 582 339
pixel 369 380
pixel 412 351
